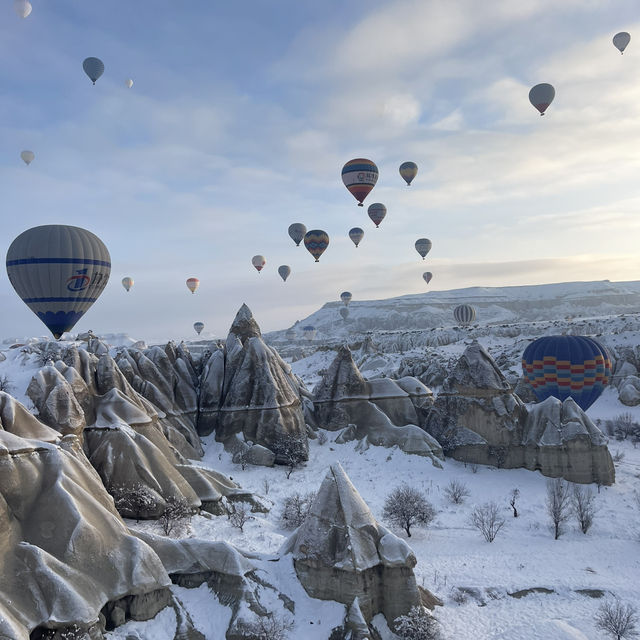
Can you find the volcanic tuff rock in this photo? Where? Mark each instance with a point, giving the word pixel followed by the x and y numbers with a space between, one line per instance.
pixel 478 418
pixel 248 389
pixel 379 412
pixel 341 553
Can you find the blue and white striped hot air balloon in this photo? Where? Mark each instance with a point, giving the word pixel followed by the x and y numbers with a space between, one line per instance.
pixel 59 271
pixel 356 234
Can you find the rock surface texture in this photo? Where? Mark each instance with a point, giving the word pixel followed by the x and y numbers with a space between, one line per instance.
pixel 479 419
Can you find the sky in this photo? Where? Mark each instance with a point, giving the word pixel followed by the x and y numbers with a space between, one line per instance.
pixel 240 120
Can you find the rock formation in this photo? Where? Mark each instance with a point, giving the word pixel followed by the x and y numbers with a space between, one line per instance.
pixel 341 553
pixel 478 418
pixel 247 390
pixel 379 412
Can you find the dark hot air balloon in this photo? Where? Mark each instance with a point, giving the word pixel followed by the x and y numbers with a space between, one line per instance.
pixel 356 234
pixel 427 275
pixel 93 67
pixel 423 246
pixel 344 312
pixel 464 314
pixel 316 241
pixel 346 296
pixel 575 367
pixel 408 170
pixel 621 40
pixel 296 232
pixel 59 271
pixel 285 271
pixel 377 211
pixel 360 176
pixel 541 96
pixel 198 326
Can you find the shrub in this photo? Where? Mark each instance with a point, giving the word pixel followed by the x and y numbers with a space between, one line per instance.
pixel 295 509
pixel 456 491
pixel 291 450
pixel 270 627
pixel 583 506
pixel 487 520
pixel 406 507
pixel 175 516
pixel 418 624
pixel 240 515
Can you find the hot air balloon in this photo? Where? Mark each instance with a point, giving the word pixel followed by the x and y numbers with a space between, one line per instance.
pixel 296 232
pixel 128 83
pixel 93 67
pixel 360 176
pixel 423 246
pixel 377 211
pixel 464 314
pixel 427 275
pixel 621 40
pixel 316 241
pixel 258 262
pixel 285 271
pixel 356 234
pixel 27 156
pixel 198 326
pixel 127 283
pixel 344 313
pixel 408 170
pixel 309 332
pixel 59 272
pixel 346 296
pixel 22 8
pixel 541 96
pixel 567 367
pixel 193 284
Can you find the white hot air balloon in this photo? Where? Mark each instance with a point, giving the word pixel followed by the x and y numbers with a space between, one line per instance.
pixel 621 40
pixel 27 156
pixel 128 83
pixel 22 8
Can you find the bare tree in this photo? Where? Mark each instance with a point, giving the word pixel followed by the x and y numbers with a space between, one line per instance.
pixel 291 450
pixel 240 515
pixel 487 520
pixel 175 515
pixel 295 509
pixel 271 627
pixel 583 505
pixel 617 619
pixel 513 496
pixel 418 624
pixel 406 507
pixel 135 501
pixel 456 491
pixel 558 504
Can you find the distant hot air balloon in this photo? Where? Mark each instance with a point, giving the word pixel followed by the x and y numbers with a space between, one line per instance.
pixel 93 67
pixel 27 156
pixel 377 211
pixel 567 367
pixel 360 176
pixel 296 232
pixel 59 272
pixel 346 296
pixel 198 326
pixel 356 234
pixel 541 96
pixel 258 262
pixel 127 283
pixel 464 314
pixel 285 271
pixel 427 275
pixel 423 246
pixel 621 40
pixel 309 332
pixel 128 83
pixel 316 241
pixel 408 170
pixel 344 312
pixel 193 284
pixel 22 8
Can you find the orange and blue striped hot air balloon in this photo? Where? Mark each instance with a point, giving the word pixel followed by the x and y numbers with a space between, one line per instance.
pixel 564 367
pixel 360 176
pixel 316 241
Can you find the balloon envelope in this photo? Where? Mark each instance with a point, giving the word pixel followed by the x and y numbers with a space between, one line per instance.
pixel 22 8
pixel 356 234
pixel 93 67
pixel 258 262
pixel 359 176
pixel 316 241
pixel 541 96
pixel 127 283
pixel 27 156
pixel 296 232
pixel 346 296
pixel 377 211
pixel 464 314
pixel 59 272
pixel 621 40
pixel 193 284
pixel 128 83
pixel 344 312
pixel 427 275
pixel 285 271
pixel 408 170
pixel 423 246
pixel 567 367
pixel 198 326
pixel 309 332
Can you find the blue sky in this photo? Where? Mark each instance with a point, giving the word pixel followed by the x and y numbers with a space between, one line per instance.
pixel 242 115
